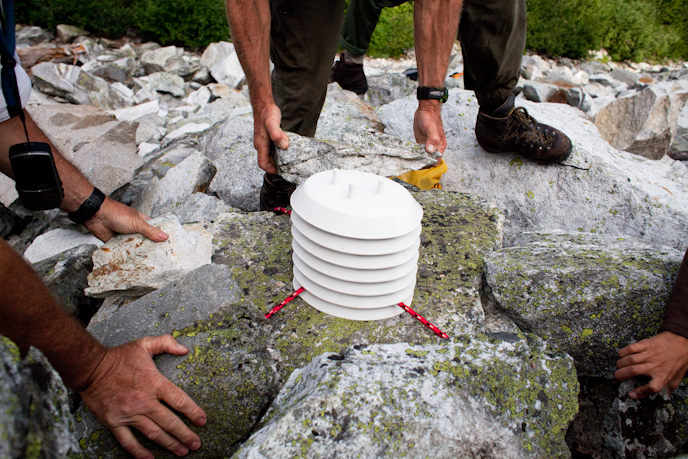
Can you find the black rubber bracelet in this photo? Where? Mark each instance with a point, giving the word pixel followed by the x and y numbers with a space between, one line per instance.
pixel 89 208
pixel 428 93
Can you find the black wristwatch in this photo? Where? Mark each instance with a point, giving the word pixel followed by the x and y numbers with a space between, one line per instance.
pixel 89 208
pixel 425 93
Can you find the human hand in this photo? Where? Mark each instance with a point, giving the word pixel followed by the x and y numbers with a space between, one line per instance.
pixel 126 391
pixel 114 217
pixel 266 130
pixel 427 126
pixel 663 358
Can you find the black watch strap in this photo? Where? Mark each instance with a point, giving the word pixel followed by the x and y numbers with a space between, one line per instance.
pixel 89 208
pixel 425 93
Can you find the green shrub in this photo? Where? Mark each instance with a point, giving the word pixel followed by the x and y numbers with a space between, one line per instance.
pixel 394 32
pixel 191 23
pixel 563 27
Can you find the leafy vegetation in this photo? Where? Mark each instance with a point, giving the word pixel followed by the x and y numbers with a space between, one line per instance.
pixel 627 29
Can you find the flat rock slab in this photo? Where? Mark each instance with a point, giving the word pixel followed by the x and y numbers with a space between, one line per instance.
pixel 228 370
pixel 597 190
pixel 367 151
pixel 102 148
pixel 458 232
pixel 132 265
pixel 56 241
pixel 473 397
pixel 585 294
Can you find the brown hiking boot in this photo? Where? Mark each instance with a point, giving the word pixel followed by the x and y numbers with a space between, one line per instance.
pixel 512 129
pixel 275 192
pixel 349 76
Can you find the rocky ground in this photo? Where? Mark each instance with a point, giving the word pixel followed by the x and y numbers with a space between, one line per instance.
pixel 538 273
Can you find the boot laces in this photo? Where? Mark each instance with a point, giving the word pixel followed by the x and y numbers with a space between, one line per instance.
pixel 522 128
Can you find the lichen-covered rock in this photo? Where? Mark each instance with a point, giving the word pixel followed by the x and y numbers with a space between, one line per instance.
pixel 35 421
pixel 612 425
pixel 389 87
pixel 365 150
pixel 344 112
pixel 597 189
pixel 588 295
pixel 199 207
pixel 133 265
pixel 473 397
pixel 228 371
pixel 458 231
pixel 66 276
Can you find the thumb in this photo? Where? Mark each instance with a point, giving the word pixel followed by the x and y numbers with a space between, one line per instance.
pixel 163 344
pixel 153 233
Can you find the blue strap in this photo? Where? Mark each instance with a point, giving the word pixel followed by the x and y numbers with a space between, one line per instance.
pixel 10 88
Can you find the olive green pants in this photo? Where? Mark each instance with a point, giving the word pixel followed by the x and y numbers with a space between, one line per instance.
pixel 492 34
pixel 303 42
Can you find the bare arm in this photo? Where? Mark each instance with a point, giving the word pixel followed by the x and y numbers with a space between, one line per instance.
pixel 113 217
pixel 436 23
pixel 249 22
pixel 121 385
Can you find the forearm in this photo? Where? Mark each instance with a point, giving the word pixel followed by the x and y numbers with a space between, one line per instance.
pixel 676 314
pixel 249 22
pixel 76 187
pixel 30 316
pixel 435 25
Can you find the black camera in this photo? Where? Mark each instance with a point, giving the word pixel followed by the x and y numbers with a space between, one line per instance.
pixel 35 174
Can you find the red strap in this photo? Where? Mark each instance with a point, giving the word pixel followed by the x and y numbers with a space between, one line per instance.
pixel 282 210
pixel 284 303
pixel 422 320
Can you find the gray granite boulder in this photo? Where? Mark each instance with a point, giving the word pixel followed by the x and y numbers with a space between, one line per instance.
pixel 679 146
pixel 386 88
pixel 31 36
pixel 192 175
pixel 596 190
pixel 34 407
pixel 473 397
pixel 161 59
pixel 344 113
pixel 644 123
pixel 458 232
pixel 66 275
pixel 199 207
pixel 587 295
pixel 67 33
pixel 102 148
pixel 77 86
pixel 612 425
pixel 539 92
pixel 230 147
pixel 228 370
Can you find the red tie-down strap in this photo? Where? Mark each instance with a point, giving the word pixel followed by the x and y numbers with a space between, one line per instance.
pixel 406 308
pixel 281 210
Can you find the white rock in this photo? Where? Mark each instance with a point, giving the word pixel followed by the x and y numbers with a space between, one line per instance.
pixel 228 71
pixel 137 111
pixel 215 53
pixel 102 148
pixel 190 176
pixel 146 148
pixel 597 190
pixel 122 89
pixel 67 33
pixel 131 265
pixel 57 241
pixel 166 83
pixel 644 123
pixel 533 72
pixel 539 92
pixel 161 60
pixel 190 128
pixel 8 192
pixel 199 97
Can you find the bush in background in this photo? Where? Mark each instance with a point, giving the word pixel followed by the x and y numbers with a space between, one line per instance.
pixel 394 32
pixel 190 23
pixel 627 29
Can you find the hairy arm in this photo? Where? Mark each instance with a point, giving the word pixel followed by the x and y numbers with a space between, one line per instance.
pixel 112 218
pixel 120 385
pixel 436 23
pixel 249 22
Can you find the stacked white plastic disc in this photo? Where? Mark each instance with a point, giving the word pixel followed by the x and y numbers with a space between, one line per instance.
pixel 355 238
